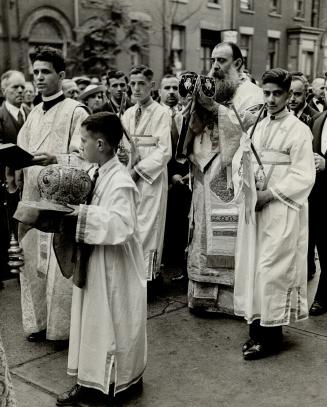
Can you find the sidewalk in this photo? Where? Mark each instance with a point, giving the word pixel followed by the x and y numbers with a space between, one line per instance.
pixel 192 361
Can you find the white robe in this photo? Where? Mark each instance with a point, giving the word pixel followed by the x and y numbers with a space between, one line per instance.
pixel 271 256
pixel 108 321
pixel 45 293
pixel 152 136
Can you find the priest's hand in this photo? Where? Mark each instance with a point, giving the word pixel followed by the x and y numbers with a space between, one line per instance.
pixel 263 197
pixel 44 159
pixel 75 211
pixel 320 162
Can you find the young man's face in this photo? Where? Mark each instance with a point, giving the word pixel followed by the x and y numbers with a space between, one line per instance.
pixel 141 87
pixel 89 146
pixel 275 97
pixel 117 87
pixel 169 91
pixel 297 96
pixel 46 79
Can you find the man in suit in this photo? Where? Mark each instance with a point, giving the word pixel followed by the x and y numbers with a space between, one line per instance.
pixel 117 85
pixel 317 213
pixel 12 117
pixel 297 102
pixel 179 194
pixel 318 100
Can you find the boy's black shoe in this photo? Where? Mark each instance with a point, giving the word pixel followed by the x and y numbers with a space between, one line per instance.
pixel 38 336
pixel 71 397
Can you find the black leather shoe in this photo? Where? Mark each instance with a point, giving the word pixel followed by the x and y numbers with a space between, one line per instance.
pixel 317 309
pixel 248 344
pixel 38 336
pixel 257 351
pixel 72 396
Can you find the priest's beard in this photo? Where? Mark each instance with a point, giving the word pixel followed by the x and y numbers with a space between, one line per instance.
pixel 226 84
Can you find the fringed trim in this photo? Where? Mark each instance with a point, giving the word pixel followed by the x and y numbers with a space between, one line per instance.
pixel 216 261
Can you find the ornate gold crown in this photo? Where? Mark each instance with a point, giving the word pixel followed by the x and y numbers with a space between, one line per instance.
pixel 64 184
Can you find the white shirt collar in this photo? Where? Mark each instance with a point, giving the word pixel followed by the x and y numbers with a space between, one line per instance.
pixel 52 97
pixel 14 110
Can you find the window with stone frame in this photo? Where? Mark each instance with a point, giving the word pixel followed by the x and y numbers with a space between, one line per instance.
pixel 274 6
pixel 299 8
pixel 246 50
pixel 247 5
pixel 209 39
pixel 177 53
pixel 272 53
pixel 315 13
pixel 214 2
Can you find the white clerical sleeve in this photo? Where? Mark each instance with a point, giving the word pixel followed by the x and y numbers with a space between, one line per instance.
pixel 112 224
pixel 295 187
pixel 151 166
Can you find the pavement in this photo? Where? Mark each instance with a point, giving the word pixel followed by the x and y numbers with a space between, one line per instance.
pixel 192 361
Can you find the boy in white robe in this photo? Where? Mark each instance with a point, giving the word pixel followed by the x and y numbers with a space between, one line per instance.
pixel 108 320
pixel 148 124
pixel 271 268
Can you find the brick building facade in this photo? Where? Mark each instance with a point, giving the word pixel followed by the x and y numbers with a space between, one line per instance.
pixel 180 33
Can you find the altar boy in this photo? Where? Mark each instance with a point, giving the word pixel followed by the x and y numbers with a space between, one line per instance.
pixel 108 319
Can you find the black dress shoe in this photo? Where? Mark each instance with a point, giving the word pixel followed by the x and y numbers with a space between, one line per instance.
pixel 257 351
pixel 71 397
pixel 248 344
pixel 317 309
pixel 38 336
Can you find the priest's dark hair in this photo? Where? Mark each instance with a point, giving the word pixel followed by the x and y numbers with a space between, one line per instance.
pixel 142 69
pixel 279 76
pixel 107 124
pixel 49 54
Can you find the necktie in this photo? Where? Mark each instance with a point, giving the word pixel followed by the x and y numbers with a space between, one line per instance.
pixel 174 130
pixel 20 118
pixel 94 180
pixel 138 115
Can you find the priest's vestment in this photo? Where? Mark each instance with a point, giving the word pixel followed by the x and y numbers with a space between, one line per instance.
pixel 45 293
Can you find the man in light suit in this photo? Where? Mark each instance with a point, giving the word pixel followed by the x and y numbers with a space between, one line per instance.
pixel 317 213
pixel 12 117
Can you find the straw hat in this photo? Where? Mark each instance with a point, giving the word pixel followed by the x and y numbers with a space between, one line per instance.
pixel 91 90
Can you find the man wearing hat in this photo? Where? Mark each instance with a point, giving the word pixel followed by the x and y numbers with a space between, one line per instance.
pixel 51 132
pixel 93 96
pixel 82 82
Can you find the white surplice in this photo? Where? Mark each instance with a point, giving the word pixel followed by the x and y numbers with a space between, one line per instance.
pixel 271 256
pixel 45 293
pixel 152 137
pixel 108 322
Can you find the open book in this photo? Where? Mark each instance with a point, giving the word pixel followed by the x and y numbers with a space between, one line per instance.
pixel 14 157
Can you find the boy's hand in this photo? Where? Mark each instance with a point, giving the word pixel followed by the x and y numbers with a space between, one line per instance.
pixel 263 197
